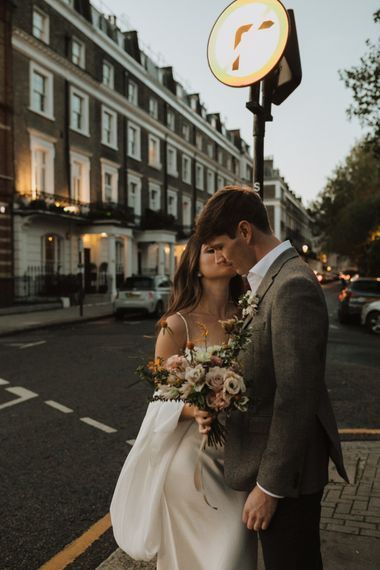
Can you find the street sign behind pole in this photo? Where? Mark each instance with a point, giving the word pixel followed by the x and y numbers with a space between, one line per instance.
pixel 247 41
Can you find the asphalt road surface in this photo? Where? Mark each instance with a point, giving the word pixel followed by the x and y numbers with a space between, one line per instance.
pixel 70 408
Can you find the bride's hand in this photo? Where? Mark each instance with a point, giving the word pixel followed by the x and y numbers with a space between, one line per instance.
pixel 203 419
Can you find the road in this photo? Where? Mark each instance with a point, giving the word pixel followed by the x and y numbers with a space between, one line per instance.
pixel 70 402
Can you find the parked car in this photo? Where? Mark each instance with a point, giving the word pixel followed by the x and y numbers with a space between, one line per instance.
pixel 143 293
pixel 371 317
pixel 360 291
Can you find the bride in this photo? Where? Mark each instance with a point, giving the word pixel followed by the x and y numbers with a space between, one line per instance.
pixel 156 508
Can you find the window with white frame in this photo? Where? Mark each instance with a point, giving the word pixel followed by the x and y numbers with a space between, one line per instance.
pixel 198 208
pixel 134 141
pixel 108 74
pixel 133 93
pixel 153 107
pixel 154 196
pixel 80 177
pixel 229 163
pixel 42 162
pixel 186 210
pixel 40 25
pixel 186 169
pixel 110 181
pixel 220 182
pixel 134 194
pixel 199 140
pixel 186 131
pixel 170 120
pixel 199 183
pixel 79 120
pixel 109 127
pixel 210 182
pixel 172 203
pixel 219 155
pixel 210 149
pixel 41 91
pixel 154 151
pixel 78 53
pixel 172 161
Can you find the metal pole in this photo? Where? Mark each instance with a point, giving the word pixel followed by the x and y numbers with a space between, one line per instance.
pixel 258 138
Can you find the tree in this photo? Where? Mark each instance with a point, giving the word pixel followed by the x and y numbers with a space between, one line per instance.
pixel 346 214
pixel 364 81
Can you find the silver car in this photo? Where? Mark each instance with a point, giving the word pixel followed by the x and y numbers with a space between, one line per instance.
pixel 143 293
pixel 371 317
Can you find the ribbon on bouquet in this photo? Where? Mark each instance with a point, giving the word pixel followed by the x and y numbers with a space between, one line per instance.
pixel 198 473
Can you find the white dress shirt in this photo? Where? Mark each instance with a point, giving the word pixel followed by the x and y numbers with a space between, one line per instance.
pixel 255 277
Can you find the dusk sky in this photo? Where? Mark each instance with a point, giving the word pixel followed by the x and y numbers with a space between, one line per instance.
pixel 310 134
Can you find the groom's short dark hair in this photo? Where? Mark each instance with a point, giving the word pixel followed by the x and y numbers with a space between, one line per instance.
pixel 227 208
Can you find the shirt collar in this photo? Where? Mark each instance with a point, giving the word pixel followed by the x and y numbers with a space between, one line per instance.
pixel 265 262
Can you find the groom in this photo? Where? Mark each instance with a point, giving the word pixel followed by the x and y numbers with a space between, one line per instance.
pixel 279 450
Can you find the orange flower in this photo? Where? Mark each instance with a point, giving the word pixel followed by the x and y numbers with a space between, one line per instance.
pixel 203 329
pixel 163 324
pixel 190 345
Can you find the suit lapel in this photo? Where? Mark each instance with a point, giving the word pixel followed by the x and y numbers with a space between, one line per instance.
pixel 274 270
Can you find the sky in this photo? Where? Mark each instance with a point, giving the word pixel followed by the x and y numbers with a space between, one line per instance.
pixel 310 134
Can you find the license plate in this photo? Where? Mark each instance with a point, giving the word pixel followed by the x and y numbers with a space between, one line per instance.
pixel 133 295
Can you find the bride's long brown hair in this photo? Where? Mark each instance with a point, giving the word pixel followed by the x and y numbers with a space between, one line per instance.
pixel 187 285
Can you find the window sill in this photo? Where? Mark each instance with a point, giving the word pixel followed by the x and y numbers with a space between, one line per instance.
pixel 85 133
pixel 46 115
pixel 110 145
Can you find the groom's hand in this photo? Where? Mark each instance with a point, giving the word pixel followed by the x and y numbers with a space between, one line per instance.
pixel 258 510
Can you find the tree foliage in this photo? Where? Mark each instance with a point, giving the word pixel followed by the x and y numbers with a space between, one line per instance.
pixel 347 212
pixel 364 81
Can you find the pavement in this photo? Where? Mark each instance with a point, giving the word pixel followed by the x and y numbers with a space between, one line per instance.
pixel 35 320
pixel 350 523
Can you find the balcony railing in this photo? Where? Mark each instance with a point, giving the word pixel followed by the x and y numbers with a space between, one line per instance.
pixel 64 205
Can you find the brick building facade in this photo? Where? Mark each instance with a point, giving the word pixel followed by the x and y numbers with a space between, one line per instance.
pixel 113 158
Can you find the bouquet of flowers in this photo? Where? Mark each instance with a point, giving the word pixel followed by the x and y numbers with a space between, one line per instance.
pixel 208 377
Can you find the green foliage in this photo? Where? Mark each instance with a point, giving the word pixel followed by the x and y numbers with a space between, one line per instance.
pixel 347 213
pixel 364 81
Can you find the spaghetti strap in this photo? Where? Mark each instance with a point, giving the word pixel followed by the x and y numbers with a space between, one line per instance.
pixel 186 325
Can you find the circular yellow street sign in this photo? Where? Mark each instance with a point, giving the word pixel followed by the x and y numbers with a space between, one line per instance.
pixel 247 41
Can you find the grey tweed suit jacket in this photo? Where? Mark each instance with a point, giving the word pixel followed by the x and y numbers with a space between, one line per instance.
pixel 285 439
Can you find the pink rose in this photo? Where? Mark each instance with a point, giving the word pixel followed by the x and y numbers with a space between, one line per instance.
pixel 216 361
pixel 177 362
pixel 215 378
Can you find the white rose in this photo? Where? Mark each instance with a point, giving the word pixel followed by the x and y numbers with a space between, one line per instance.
pixel 233 383
pixel 195 376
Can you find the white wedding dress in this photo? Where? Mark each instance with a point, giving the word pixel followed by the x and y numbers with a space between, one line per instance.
pixel 156 509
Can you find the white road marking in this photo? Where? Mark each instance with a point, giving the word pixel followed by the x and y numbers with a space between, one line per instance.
pixel 58 406
pixel 23 394
pixel 2 381
pixel 98 425
pixel 131 442
pixel 148 336
pixel 30 344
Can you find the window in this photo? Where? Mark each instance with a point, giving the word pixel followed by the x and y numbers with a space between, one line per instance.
pixel 199 183
pixel 154 197
pixel 198 207
pixel 134 194
pixel 80 177
pixel 172 203
pixel 110 181
pixel 134 141
pixel 220 182
pixel 41 91
pixel 229 163
pixel 199 140
pixel 42 160
pixel 51 253
pixel 186 169
pixel 78 53
pixel 186 210
pixel 210 149
pixel 109 128
pixel 186 131
pixel 153 107
pixel 154 151
pixel 79 120
pixel 108 74
pixel 172 161
pixel 219 154
pixel 210 182
pixel 40 25
pixel 133 92
pixel 170 120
